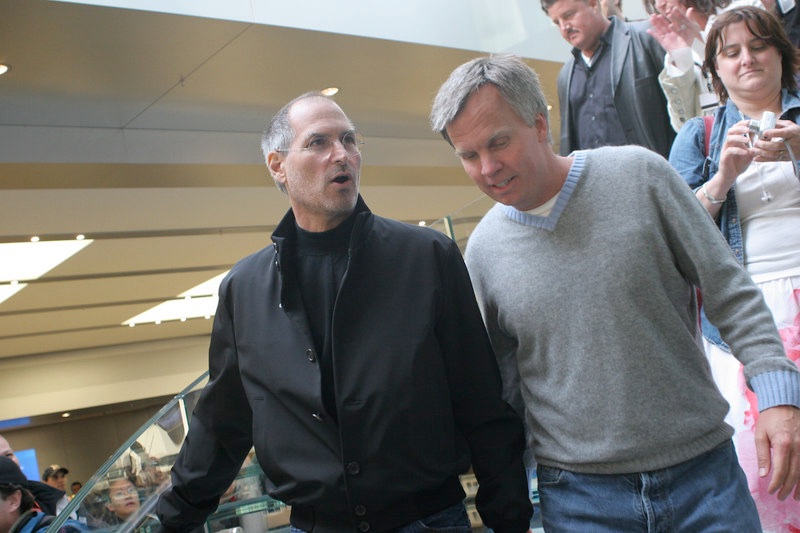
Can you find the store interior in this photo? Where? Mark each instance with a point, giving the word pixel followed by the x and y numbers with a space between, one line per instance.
pixel 129 136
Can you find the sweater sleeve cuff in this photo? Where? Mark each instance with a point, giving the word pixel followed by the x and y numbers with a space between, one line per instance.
pixel 776 388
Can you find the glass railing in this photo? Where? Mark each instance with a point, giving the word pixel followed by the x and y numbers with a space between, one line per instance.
pixel 121 496
pixel 459 224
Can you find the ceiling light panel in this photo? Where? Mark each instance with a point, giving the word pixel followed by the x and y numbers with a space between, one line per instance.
pixel 198 302
pixel 183 309
pixel 7 291
pixel 31 260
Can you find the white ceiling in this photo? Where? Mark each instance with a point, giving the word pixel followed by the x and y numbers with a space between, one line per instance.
pixel 140 130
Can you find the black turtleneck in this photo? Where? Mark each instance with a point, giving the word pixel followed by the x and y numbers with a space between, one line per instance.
pixel 321 264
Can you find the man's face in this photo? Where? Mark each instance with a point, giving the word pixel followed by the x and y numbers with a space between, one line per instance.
pixel 58 480
pixel 322 185
pixel 580 23
pixel 123 498
pixel 501 153
pixel 8 451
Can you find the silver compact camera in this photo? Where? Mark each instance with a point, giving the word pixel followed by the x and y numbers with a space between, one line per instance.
pixel 757 127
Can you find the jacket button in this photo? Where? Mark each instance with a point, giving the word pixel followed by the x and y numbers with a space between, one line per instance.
pixel 310 355
pixel 317 417
pixel 360 510
pixel 363 527
pixel 353 468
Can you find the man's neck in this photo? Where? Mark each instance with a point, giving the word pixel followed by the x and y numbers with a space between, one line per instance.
pixel 590 50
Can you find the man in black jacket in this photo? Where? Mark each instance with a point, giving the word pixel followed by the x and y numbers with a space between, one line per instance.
pixel 351 353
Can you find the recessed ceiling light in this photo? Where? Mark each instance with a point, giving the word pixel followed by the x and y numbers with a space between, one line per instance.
pixel 4 69
pixel 65 415
pixel 330 91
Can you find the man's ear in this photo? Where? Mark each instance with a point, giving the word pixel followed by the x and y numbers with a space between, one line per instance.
pixel 14 500
pixel 275 166
pixel 541 127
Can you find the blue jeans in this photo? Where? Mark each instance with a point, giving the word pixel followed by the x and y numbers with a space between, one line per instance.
pixel 451 520
pixel 708 493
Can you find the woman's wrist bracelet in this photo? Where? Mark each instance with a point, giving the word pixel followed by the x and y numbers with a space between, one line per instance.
pixel 715 201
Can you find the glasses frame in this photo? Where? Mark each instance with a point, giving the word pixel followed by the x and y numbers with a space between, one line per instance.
pixel 327 150
pixel 116 495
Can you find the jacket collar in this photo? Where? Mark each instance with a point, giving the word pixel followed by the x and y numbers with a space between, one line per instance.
pixel 286 228
pixel 790 107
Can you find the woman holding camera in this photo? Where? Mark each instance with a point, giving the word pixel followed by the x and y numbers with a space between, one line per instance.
pixel 743 169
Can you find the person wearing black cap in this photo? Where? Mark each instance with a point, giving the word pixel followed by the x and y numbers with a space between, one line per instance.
pixel 56 476
pixel 18 510
pixel 50 499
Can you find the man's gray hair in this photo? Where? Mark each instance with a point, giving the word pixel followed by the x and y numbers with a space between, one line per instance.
pixel 279 134
pixel 517 82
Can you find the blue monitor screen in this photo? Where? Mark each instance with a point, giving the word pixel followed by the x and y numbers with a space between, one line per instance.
pixel 28 463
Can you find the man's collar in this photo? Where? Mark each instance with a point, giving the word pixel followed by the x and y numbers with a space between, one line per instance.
pixel 286 227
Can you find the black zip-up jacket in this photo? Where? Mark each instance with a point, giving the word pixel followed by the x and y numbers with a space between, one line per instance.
pixel 417 391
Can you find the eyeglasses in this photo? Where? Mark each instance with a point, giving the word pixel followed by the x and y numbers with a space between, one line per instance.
pixel 322 145
pixel 123 493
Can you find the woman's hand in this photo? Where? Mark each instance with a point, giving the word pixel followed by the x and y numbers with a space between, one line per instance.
pixel 734 158
pixel 736 154
pixel 771 146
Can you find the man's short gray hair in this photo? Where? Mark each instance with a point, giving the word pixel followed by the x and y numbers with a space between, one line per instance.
pixel 517 82
pixel 279 134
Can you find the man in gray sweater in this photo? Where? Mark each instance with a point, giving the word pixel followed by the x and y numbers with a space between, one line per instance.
pixel 586 272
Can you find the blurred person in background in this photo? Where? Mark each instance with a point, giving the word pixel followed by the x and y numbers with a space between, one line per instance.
pixel 612 8
pixel 56 477
pixel 50 499
pixel 122 500
pixel 608 90
pixel 19 512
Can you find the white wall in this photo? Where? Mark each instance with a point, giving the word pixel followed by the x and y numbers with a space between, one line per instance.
pixel 35 385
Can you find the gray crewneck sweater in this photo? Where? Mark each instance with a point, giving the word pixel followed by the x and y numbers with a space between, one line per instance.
pixel 593 315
